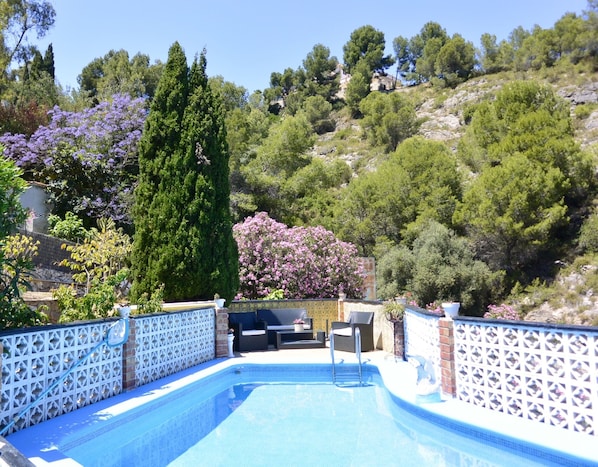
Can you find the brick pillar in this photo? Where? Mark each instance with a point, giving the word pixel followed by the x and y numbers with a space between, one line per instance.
pixel 399 338
pixel 447 356
pixel 129 374
pixel 222 332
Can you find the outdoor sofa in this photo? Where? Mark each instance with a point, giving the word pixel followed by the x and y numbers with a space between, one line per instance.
pixel 282 319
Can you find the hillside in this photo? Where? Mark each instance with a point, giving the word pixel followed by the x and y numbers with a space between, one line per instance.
pixel 442 110
pixel 570 296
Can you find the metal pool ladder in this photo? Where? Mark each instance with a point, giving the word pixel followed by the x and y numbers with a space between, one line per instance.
pixel 357 354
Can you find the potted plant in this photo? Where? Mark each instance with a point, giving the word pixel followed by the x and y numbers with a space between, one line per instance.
pixel 299 325
pixel 395 312
pixel 434 307
pixel 219 301
pixel 401 299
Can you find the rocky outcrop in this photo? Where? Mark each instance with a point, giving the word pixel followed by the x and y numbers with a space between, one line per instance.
pixel 443 121
pixel 584 94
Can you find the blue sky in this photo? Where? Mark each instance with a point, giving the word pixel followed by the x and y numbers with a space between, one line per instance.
pixel 246 40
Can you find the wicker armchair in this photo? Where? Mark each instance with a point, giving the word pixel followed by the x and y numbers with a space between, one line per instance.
pixel 344 332
pixel 250 333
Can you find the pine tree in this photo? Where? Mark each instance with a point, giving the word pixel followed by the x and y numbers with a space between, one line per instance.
pixel 183 227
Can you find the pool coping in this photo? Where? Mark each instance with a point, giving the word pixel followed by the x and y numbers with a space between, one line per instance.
pixel 399 378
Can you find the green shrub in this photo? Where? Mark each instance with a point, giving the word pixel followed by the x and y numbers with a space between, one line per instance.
pixel 147 304
pixel 70 228
pixel 277 294
pixel 102 254
pixel 588 236
pixel 16 260
pixel 583 111
pixel 439 267
pixel 97 303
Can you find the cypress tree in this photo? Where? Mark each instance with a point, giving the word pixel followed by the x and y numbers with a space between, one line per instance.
pixel 49 62
pixel 183 227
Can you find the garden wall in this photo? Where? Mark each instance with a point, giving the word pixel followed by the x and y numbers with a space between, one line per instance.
pixel 157 346
pixel 50 252
pixel 546 373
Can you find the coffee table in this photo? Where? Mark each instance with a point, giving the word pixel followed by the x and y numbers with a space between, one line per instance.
pixel 300 340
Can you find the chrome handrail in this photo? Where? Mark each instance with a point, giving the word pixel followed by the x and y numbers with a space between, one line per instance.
pixel 332 356
pixel 357 353
pixel 358 350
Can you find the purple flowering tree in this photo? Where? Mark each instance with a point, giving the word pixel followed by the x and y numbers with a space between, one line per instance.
pixel 87 159
pixel 303 262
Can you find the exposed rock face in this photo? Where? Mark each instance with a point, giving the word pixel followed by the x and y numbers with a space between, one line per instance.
pixel 574 302
pixel 444 120
pixel 441 127
pixel 584 94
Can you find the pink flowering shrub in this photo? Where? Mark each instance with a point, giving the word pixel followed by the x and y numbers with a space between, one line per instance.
pixel 303 262
pixel 502 312
pixel 435 307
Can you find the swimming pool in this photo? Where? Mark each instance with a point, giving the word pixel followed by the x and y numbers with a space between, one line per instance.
pixel 251 414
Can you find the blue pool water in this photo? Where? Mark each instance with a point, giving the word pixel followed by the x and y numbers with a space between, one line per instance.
pixel 264 415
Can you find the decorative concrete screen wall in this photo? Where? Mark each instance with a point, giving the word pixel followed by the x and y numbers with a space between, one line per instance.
pixel 33 360
pixel 171 342
pixel 158 345
pixel 542 373
pixel 422 337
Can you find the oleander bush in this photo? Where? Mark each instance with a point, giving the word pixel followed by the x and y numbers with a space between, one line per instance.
pixel 302 262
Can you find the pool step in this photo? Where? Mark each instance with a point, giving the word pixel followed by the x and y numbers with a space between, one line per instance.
pixel 347 375
pixel 337 377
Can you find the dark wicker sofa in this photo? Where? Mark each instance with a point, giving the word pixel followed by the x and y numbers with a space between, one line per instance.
pixel 282 319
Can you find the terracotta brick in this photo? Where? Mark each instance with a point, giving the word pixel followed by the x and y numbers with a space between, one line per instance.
pixel 447 340
pixel 443 331
pixel 447 356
